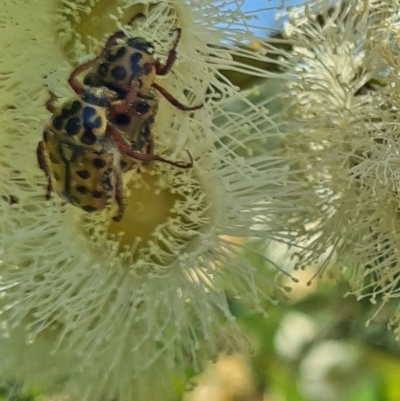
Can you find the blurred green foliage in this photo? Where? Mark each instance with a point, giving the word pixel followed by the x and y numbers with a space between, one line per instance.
pixel 372 376
pixel 12 390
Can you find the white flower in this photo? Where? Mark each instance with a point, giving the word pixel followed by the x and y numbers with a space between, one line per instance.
pixel 342 138
pixel 327 372
pixel 295 333
pixel 114 309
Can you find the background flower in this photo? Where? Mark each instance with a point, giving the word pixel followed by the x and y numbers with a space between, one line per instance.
pixel 342 75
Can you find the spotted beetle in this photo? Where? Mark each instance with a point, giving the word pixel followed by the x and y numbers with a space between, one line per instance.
pixel 115 68
pixel 133 59
pixel 81 150
pixel 136 124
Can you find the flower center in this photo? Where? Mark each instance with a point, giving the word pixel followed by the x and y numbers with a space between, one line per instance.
pixel 167 210
pixel 147 207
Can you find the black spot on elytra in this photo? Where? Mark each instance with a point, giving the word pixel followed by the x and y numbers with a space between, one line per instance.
pixel 117 55
pixel 97 194
pixel 99 163
pixel 119 73
pixel 88 113
pixel 122 119
pixel 54 159
pixel 102 69
pixel 147 69
pixel 122 164
pixel 58 122
pixel 70 109
pixel 91 79
pixel 82 190
pixel 134 63
pixel 142 107
pixel 90 119
pixel 89 209
pixel 73 126
pixel 83 174
pixel 55 175
pixel 88 138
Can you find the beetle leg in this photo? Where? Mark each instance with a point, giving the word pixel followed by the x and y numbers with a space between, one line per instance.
pixel 150 146
pixel 40 153
pixel 118 138
pixel 123 146
pixel 164 69
pixel 123 106
pixel 144 141
pixel 173 101
pixel 154 157
pixel 51 103
pixel 73 80
pixel 119 195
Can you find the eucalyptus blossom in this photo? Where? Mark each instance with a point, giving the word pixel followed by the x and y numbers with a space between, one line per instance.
pixel 99 309
pixel 341 111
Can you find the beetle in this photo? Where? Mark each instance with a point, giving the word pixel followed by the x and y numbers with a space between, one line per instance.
pixel 136 125
pixel 120 63
pixel 81 150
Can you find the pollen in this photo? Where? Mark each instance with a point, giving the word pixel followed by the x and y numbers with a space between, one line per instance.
pixel 167 210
